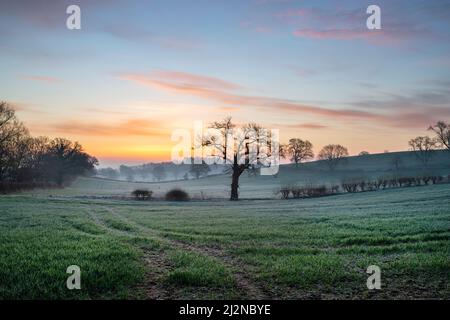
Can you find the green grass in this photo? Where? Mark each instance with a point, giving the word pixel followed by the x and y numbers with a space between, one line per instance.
pixel 192 269
pixel 39 239
pixel 312 248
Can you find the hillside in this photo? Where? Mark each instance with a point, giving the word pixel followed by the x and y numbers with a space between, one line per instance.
pixel 312 173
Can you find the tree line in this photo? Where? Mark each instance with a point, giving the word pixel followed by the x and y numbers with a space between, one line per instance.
pixel 157 172
pixel 28 162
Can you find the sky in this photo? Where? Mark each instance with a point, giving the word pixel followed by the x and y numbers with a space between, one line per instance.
pixel 137 70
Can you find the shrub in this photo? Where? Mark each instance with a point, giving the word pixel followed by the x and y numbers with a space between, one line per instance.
pixel 350 186
pixel 285 192
pixel 362 185
pixel 141 194
pixel 312 191
pixel 297 192
pixel 317 191
pixel 436 179
pixel 373 185
pixel 177 195
pixel 393 183
pixel 418 181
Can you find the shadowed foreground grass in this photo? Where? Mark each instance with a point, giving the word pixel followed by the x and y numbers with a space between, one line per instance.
pixel 316 248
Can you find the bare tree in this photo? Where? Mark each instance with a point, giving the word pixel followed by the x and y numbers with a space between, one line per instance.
pixel 423 148
pixel 249 147
pixel 299 150
pixel 442 131
pixel 10 126
pixel 333 154
pixel 12 140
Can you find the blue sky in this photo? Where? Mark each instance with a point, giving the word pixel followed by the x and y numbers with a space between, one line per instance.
pixel 139 69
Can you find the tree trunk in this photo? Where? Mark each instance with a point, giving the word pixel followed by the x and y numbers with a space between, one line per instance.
pixel 235 185
pixel 238 169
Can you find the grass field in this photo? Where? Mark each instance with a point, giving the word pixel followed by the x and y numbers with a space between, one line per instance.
pixel 312 248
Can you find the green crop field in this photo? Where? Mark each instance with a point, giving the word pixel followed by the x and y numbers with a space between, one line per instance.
pixel 311 248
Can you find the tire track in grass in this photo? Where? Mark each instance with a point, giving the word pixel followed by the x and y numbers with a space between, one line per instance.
pixel 152 287
pixel 102 224
pixel 247 286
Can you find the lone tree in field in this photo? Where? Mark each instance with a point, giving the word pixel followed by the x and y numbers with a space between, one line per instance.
pixel 442 131
pixel 333 154
pixel 423 148
pixel 240 149
pixel 299 150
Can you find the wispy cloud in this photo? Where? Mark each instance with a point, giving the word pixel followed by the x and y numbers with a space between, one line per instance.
pixel 131 127
pixel 306 126
pixel 218 92
pixel 189 79
pixel 46 79
pixel 386 36
pixel 336 34
pixel 141 35
pixel 220 95
pixel 345 23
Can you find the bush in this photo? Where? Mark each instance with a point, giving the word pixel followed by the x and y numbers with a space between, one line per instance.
pixel 436 179
pixel 141 194
pixel 297 193
pixel 335 189
pixel 350 186
pixel 285 191
pixel 319 191
pixel 307 192
pixel 426 180
pixel 177 195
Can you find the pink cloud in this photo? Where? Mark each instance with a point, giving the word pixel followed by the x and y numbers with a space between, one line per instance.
pixel 309 125
pixel 337 34
pixel 217 92
pixel 131 127
pixel 394 35
pixel 42 78
pixel 193 79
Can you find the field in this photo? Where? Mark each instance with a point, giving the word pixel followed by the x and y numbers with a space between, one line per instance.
pixel 308 249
